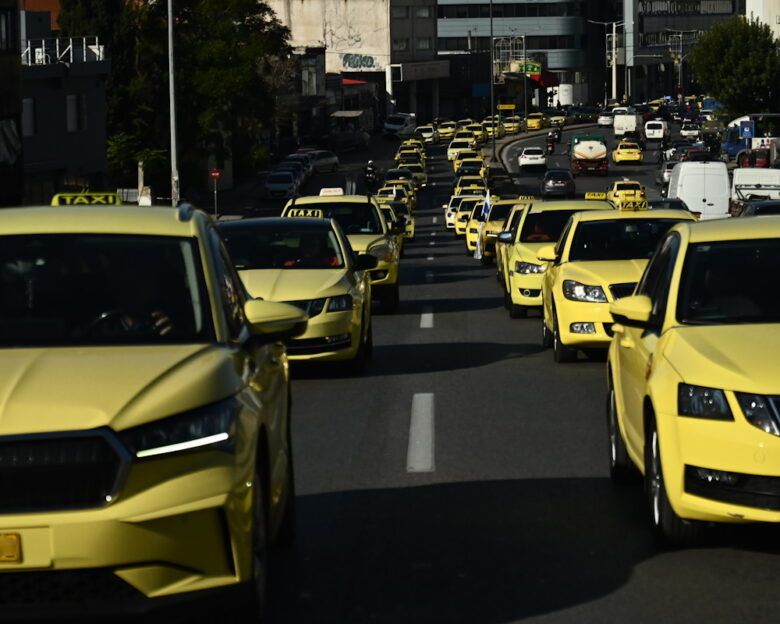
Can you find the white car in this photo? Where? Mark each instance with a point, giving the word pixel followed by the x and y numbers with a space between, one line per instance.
pixel 325 161
pixel 280 185
pixel 429 134
pixel 606 119
pixel 451 210
pixel 690 131
pixel 532 157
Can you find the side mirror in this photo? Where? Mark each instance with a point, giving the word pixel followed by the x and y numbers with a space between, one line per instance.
pixel 505 237
pixel 365 262
pixel 399 227
pixel 270 321
pixel 463 218
pixel 547 254
pixel 632 311
pixel 492 234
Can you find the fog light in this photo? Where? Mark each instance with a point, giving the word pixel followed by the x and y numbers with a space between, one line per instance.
pixel 526 292
pixel 716 476
pixel 337 338
pixel 583 328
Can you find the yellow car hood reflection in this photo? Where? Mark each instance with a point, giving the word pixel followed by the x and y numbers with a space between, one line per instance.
pixel 361 242
pixel 733 357
pixel 605 272
pixel 75 388
pixel 294 284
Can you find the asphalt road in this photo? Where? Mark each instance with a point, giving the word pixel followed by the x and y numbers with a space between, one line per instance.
pixel 464 477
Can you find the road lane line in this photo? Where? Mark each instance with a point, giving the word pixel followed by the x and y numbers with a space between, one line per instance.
pixel 426 318
pixel 420 452
pixel 430 258
pixel 432 243
pixel 429 276
pixel 433 233
pixel 435 219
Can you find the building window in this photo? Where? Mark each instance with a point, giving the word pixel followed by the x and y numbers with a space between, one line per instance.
pixel 399 12
pixel 76 112
pixel 423 11
pixel 400 45
pixel 28 117
pixel 424 43
pixel 7 43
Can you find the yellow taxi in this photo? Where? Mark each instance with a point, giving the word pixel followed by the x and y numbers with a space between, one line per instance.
pixel 627 153
pixel 471 187
pixel 694 378
pixel 402 210
pixel 537 121
pixel 626 194
pixel 145 426
pixel 487 223
pixel 86 198
pixel 478 131
pixel 472 166
pixel 447 130
pixel 415 143
pixel 460 145
pixel 410 153
pixel 514 124
pixel 520 271
pixel 308 263
pixel 408 194
pixel 463 215
pixel 367 231
pixel 466 181
pixel 462 123
pixel 419 174
pixel 510 225
pixel 464 155
pixel 494 127
pixel 597 260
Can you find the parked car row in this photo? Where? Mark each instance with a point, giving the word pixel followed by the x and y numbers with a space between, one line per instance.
pixel 289 176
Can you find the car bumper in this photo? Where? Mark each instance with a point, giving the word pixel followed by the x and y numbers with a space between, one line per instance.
pixel 526 288
pixel 580 312
pixel 720 446
pixel 328 336
pixel 557 191
pixel 449 219
pixel 624 159
pixel 181 525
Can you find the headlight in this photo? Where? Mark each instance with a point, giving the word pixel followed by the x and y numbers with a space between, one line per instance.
pixel 312 307
pixel 759 412
pixel 582 292
pixel 211 425
pixel 701 402
pixel 528 267
pixel 381 252
pixel 473 231
pixel 340 303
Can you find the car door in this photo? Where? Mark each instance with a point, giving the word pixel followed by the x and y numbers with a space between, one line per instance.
pixel 636 346
pixel 551 273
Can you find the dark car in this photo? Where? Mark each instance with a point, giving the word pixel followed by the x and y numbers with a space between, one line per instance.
pixel 557 182
pixel 758 208
pixel 664 173
pixel 666 203
pixel 697 155
pixel 634 136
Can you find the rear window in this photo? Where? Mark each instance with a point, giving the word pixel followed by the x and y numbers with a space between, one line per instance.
pixel 628 187
pixel 654 126
pixel 533 151
pixel 280 178
pixel 353 217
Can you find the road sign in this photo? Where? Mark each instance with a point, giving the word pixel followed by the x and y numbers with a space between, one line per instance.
pixel 507 106
pixel 747 129
pixel 215 173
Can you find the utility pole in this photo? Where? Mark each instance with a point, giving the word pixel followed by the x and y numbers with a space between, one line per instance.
pixel 613 54
pixel 172 101
pixel 492 85
pixel 525 83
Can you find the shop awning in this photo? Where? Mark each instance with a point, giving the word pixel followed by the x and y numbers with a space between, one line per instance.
pixel 349 114
pixel 352 81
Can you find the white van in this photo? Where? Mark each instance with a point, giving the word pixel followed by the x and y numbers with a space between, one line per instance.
pixel 626 122
pixel 401 125
pixel 703 186
pixel 657 130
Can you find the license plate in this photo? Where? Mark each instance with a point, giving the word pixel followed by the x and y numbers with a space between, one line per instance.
pixel 10 548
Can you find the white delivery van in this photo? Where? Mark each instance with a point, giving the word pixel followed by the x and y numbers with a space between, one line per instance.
pixel 703 186
pixel 753 184
pixel 401 125
pixel 626 122
pixel 657 130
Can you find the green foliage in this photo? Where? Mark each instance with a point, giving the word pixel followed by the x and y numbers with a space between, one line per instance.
pixel 738 63
pixel 225 51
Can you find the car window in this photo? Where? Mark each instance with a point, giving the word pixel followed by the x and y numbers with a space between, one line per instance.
pixel 92 289
pixel 618 239
pixel 544 227
pixel 231 289
pixel 656 281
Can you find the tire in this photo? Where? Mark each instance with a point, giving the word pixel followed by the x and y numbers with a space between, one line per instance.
pixel 547 337
pixel 357 365
pixel 486 260
pixel 507 300
pixel 561 353
pixel 621 470
pixel 669 528
pixel 285 538
pixel 257 589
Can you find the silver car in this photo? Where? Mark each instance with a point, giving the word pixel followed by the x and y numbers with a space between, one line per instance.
pixel 280 185
pixel 325 161
pixel 664 173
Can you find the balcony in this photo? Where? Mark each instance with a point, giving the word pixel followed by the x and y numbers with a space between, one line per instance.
pixel 62 50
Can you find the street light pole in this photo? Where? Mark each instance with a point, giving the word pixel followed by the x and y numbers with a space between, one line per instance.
pixel 492 88
pixel 172 103
pixel 614 50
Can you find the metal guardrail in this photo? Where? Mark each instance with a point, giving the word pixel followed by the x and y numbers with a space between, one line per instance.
pixel 62 50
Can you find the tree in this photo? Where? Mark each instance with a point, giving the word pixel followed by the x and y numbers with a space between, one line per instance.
pixel 738 63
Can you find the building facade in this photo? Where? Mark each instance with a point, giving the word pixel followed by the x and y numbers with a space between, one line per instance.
pixel 10 106
pixel 765 11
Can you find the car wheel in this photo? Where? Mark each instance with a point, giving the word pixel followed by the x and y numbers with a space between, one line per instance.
pixel 621 470
pixel 507 300
pixel 547 337
pixel 670 529
pixel 287 530
pixel 561 353
pixel 257 588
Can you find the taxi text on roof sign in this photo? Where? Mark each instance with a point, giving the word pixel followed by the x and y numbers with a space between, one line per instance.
pixel 86 199
pixel 597 196
pixel 325 192
pixel 305 212
pixel 640 204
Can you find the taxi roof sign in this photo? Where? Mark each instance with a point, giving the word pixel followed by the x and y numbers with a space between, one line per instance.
pixel 331 191
pixel 596 196
pixel 314 213
pixel 634 205
pixel 86 199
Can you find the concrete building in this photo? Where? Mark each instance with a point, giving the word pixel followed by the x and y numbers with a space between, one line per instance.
pixel 766 11
pixel 10 106
pixel 63 118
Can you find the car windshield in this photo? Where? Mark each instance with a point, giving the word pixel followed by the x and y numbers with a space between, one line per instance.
pixel 467 205
pixel 499 212
pixel 728 282
pixel 96 289
pixel 664 204
pixel 544 227
pixel 618 239
pixel 279 245
pixel 396 121
pixel 457 144
pixel 353 217
pixel 424 129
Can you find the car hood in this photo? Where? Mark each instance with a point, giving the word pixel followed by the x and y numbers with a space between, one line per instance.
pixel 605 272
pixel 76 388
pixel 361 242
pixel 293 284
pixel 732 357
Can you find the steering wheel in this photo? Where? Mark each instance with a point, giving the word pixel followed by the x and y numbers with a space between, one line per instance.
pixel 115 321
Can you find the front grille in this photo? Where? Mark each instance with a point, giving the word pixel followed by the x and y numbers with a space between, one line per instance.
pixel 312 346
pixel 62 587
pixel 748 490
pixel 44 473
pixel 622 290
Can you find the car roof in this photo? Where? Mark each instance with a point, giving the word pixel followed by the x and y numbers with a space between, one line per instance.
pixel 767 226
pixel 584 204
pixel 124 219
pixel 329 199
pixel 271 222
pixel 599 215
